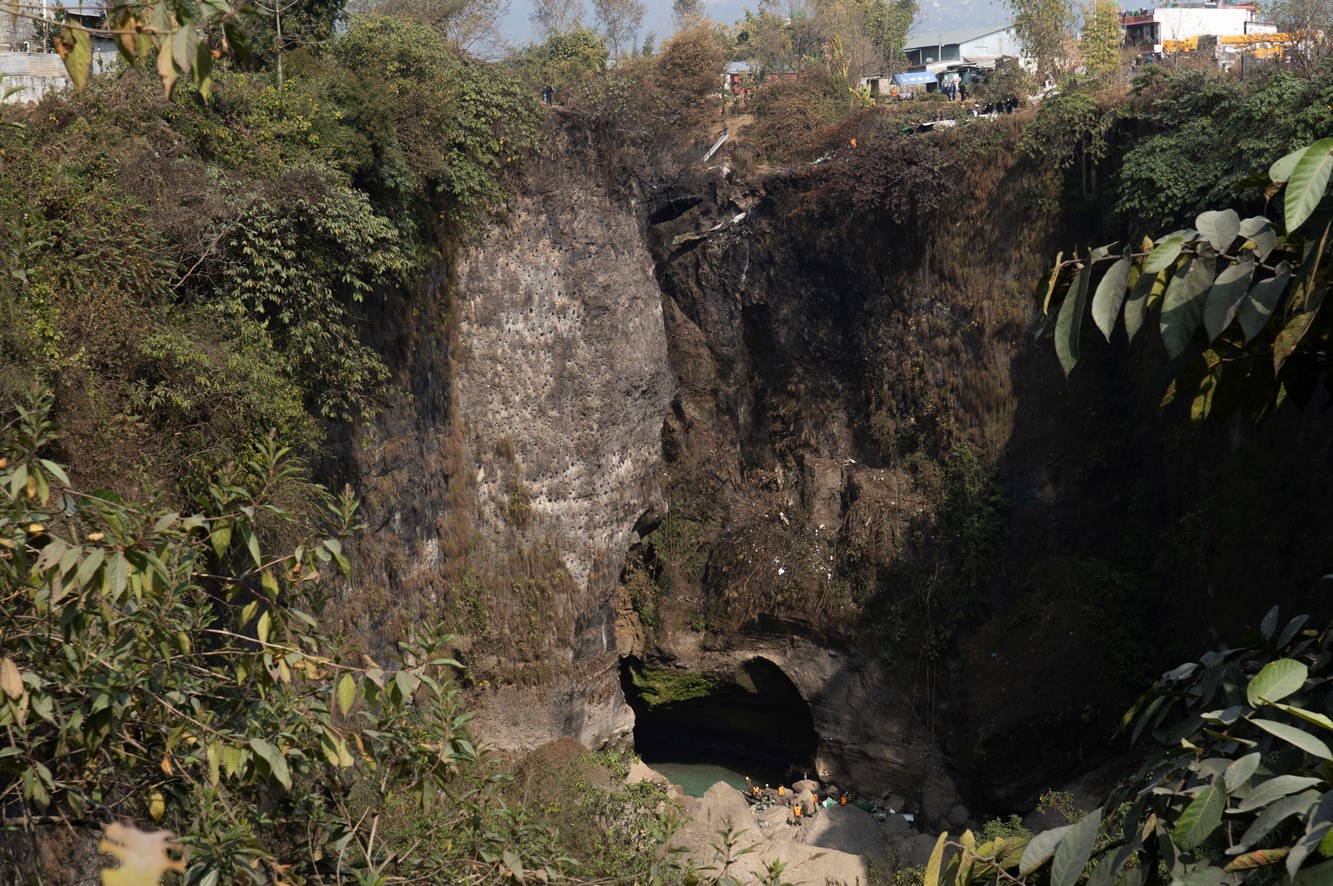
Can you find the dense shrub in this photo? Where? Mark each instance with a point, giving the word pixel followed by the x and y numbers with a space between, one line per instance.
pixel 792 114
pixel 172 668
pixel 189 277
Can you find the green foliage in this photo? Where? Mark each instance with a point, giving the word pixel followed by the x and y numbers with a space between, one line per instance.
pixel 191 277
pixel 1103 38
pixel 305 24
pixel 172 667
pixel 613 832
pixel 1208 135
pixel 294 267
pixel 563 61
pixel 1249 291
pixel 1072 132
pixel 1045 28
pixel 657 686
pixel 461 125
pixel 1004 829
pixel 1240 786
pixel 793 115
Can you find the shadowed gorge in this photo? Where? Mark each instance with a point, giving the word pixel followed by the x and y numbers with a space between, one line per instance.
pixel 753 720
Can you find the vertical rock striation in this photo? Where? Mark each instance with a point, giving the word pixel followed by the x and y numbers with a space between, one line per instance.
pixel 562 386
pixel 505 495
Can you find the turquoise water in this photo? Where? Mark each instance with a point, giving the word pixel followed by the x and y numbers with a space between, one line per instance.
pixel 696 778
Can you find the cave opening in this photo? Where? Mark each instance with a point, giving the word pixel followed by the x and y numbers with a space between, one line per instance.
pixel 752 721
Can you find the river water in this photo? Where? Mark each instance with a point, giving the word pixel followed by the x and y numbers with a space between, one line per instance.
pixel 696 778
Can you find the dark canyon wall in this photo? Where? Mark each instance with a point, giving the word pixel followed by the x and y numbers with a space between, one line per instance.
pixel 801 417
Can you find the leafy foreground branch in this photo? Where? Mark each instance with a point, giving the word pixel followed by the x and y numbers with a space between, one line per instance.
pixel 1242 793
pixel 1241 300
pixel 170 667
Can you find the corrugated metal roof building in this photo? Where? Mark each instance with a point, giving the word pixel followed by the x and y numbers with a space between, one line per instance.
pixel 981 43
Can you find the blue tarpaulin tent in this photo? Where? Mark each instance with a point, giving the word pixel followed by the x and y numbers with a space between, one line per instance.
pixel 917 78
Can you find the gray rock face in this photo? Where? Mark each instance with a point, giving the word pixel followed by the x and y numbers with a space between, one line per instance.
pixel 562 384
pixel 502 495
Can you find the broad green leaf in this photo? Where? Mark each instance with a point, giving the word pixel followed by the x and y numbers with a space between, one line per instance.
pixel 264 626
pixel 277 763
pixel 1272 815
pixel 55 470
pixel 1072 855
pixel 214 754
pixel 269 582
pixel 1163 254
pixel 1182 310
pixel 1069 323
pixel 1268 627
pixel 1200 818
pixel 183 44
pixel 117 574
pixel 1136 308
pixel 1281 169
pixel 1290 630
pixel 1239 772
pixel 1257 859
pixel 1275 681
pixel 932 877
pixel 1110 865
pixel 1263 298
pixel 1205 875
pixel 1110 296
pixel 1298 737
pixel 252 544
pixel 1219 228
pixel 405 684
pixel 1307 716
pixel 346 693
pixel 1308 182
pixel 75 46
pixel 1319 875
pixel 1318 824
pixel 1275 788
pixel 203 70
pixel 1260 231
pixel 220 538
pixel 1225 296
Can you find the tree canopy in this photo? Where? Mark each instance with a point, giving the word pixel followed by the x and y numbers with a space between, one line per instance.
pixel 1239 302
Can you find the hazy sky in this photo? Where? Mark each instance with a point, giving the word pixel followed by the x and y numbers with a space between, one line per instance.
pixel 933 14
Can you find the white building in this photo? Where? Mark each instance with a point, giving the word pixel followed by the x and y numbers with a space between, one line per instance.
pixel 1178 26
pixel 936 51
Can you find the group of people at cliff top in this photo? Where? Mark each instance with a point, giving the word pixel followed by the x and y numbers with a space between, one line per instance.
pixel 802 798
pixel 999 106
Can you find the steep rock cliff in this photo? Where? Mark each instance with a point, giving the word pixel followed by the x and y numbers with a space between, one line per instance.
pixel 869 448
pixel 810 406
pixel 503 496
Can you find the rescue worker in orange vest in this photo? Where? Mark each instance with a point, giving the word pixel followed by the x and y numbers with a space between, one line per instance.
pixel 781 791
pixel 842 801
pixel 796 813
